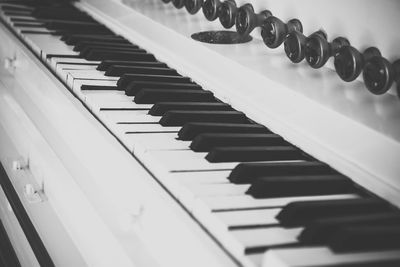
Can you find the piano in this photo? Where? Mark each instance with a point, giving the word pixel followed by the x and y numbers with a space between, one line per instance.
pixel 199 133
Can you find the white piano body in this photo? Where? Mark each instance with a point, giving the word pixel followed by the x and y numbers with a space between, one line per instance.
pixel 93 203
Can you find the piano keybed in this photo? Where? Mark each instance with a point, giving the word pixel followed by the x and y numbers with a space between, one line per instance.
pixel 258 195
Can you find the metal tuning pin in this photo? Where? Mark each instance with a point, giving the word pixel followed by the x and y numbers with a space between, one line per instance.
pixel 193 6
pixel 247 20
pixel 227 13
pixel 211 9
pixel 294 46
pixel 349 62
pixel 319 50
pixel 274 31
pixel 378 75
pixel 178 3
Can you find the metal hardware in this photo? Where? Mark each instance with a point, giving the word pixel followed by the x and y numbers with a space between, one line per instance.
pixel 33 195
pixel 20 164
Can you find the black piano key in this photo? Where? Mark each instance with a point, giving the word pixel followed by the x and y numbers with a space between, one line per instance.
pixel 16 8
pixel 54 9
pixel 257 153
pixel 207 141
pixel 89 87
pixel 151 96
pixel 247 172
pixel 160 108
pixel 183 84
pixel 87 50
pixel 117 70
pixel 106 64
pixel 365 238
pixel 126 79
pixel 320 231
pixel 72 26
pixel 191 130
pixel 303 212
pixel 27 20
pixel 80 31
pixel 92 44
pixel 62 56
pixel 300 185
pixel 77 21
pixel 59 13
pixel 180 117
pixel 86 44
pixel 108 54
pixel 13 13
pixel 73 39
pixel 28 25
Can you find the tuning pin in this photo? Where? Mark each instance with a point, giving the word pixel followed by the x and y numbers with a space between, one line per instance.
pixel 211 9
pixel 193 6
pixel 349 62
pixel 274 31
pixel 378 75
pixel 294 46
pixel 178 3
pixel 247 20
pixel 319 50
pixel 227 13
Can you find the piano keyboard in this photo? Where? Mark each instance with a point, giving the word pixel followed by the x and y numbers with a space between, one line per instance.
pixel 267 202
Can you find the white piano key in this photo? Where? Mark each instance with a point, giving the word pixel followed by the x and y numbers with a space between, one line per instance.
pixel 144 128
pixel 248 218
pixel 97 106
pixel 141 143
pixel 102 95
pixel 323 256
pixel 264 237
pixel 255 259
pixel 77 85
pixel 38 29
pixel 33 46
pixel 111 100
pixel 221 203
pixel 64 69
pixel 191 193
pixel 225 189
pixel 184 160
pixel 68 66
pixel 90 75
pixel 75 75
pixel 51 44
pixel 210 177
pixel 128 116
pixel 54 61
